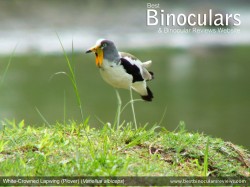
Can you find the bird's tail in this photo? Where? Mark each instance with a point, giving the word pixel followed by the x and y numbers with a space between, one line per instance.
pixel 149 96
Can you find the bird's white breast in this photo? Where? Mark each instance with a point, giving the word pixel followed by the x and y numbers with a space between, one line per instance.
pixel 115 75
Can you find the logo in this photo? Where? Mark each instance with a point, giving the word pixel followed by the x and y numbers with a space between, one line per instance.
pixel 210 19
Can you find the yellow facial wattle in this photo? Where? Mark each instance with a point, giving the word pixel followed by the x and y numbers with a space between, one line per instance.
pixel 98 57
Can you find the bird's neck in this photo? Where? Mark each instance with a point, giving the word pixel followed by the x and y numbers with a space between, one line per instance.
pixel 112 57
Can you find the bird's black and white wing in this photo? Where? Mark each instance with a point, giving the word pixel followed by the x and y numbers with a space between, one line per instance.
pixel 134 66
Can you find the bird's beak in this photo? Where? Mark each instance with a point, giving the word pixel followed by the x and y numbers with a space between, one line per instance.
pixel 98 54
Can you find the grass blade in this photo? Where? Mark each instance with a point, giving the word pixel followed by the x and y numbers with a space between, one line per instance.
pixel 43 118
pixel 8 65
pixel 205 167
pixel 72 79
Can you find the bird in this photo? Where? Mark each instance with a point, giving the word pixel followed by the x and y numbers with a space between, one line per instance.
pixel 121 69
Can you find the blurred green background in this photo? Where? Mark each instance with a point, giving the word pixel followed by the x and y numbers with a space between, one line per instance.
pixel 202 79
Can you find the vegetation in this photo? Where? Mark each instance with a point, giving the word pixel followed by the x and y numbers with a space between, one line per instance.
pixel 65 150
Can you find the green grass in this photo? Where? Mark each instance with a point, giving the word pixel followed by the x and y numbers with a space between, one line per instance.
pixel 64 150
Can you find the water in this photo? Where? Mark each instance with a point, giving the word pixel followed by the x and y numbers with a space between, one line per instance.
pixel 206 89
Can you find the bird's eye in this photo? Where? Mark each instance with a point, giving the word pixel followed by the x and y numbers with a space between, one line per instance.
pixel 104 45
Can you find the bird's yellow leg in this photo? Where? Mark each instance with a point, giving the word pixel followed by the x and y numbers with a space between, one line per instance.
pixel 118 114
pixel 132 106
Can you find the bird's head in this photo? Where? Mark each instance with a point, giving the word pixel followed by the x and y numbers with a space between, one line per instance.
pixel 103 49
